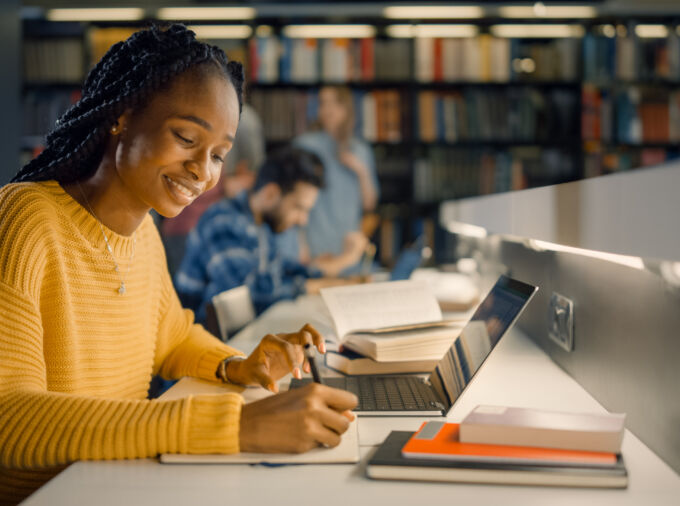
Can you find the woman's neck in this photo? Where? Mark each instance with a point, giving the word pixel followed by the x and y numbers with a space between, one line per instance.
pixel 105 197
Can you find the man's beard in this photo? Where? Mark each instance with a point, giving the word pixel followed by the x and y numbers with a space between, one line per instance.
pixel 274 221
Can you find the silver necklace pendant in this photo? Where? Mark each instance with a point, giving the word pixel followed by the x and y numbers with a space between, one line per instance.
pixel 116 268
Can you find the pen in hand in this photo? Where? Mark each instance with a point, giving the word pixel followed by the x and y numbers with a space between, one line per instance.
pixel 309 353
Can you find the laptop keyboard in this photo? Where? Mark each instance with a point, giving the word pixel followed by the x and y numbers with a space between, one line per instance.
pixel 388 393
pixel 385 393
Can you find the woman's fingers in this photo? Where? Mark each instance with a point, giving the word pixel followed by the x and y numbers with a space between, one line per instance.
pixel 307 334
pixel 334 421
pixel 325 436
pixel 339 400
pixel 317 338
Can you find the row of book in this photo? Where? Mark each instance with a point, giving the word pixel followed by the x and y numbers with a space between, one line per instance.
pixel 634 115
pixel 600 161
pixel 449 172
pixel 515 114
pixel 493 59
pixel 523 114
pixel 475 59
pixel 381 115
pixel 484 58
pixel 284 60
pixel 631 58
pixel 53 60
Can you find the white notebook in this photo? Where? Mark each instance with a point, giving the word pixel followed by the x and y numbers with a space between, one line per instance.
pixel 347 452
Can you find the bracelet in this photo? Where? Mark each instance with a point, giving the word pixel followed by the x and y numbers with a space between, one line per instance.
pixel 221 372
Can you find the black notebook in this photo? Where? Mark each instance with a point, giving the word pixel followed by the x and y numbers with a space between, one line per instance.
pixel 388 464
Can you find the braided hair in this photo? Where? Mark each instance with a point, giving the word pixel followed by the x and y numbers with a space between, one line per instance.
pixel 125 78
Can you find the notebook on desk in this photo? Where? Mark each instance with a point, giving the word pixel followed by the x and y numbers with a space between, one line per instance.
pixel 435 396
pixel 347 452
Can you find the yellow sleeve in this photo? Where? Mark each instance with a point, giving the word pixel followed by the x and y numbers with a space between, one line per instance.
pixel 40 428
pixel 185 348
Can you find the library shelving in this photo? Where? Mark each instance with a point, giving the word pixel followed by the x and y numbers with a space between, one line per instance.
pixel 447 117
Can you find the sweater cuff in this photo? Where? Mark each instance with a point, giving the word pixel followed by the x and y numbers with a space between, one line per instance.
pixel 213 425
pixel 209 361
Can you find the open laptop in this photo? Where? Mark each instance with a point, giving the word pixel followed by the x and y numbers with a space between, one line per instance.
pixel 412 395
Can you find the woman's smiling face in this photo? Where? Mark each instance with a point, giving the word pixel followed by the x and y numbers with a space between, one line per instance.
pixel 173 149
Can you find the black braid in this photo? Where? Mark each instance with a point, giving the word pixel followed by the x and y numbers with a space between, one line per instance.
pixel 125 78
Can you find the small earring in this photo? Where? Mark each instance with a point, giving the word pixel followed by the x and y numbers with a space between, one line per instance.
pixel 114 129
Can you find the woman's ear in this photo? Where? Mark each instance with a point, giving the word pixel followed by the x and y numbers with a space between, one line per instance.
pixel 119 125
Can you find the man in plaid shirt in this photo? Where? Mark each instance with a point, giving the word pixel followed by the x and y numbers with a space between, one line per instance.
pixel 234 242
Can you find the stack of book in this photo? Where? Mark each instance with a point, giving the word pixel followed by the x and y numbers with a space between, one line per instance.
pixel 505 445
pixel 392 327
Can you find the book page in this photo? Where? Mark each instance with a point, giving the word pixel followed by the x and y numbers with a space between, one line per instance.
pixel 379 305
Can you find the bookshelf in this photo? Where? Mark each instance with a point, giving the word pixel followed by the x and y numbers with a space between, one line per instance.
pixel 447 117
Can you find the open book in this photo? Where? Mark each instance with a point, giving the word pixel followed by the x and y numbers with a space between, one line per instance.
pixel 392 321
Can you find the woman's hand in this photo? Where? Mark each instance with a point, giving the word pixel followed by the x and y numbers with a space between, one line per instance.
pixel 274 357
pixel 354 245
pixel 352 162
pixel 369 194
pixel 297 420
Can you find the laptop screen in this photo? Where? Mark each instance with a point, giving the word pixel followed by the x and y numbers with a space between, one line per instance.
pixel 494 316
pixel 408 261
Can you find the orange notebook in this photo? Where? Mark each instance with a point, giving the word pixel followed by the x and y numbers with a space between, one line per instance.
pixel 439 440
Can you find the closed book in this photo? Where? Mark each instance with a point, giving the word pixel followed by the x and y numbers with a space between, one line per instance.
pixel 424 63
pixel 353 363
pixel 387 463
pixel 546 429
pixel 439 440
pixel 367 60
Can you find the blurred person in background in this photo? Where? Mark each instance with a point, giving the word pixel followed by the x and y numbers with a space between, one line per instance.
pixel 351 187
pixel 234 242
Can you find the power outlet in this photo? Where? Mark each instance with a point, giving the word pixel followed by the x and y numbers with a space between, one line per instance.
pixel 561 321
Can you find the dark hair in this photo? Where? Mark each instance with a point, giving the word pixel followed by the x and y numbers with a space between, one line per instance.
pixel 125 78
pixel 289 166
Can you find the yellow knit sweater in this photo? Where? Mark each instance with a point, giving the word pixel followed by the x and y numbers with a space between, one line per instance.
pixel 76 357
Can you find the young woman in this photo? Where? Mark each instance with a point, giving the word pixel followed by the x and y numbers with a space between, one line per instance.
pixel 87 309
pixel 351 184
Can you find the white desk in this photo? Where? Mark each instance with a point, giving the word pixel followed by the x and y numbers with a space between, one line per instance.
pixel 517 373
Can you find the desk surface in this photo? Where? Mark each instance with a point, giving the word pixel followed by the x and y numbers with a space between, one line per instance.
pixel 517 373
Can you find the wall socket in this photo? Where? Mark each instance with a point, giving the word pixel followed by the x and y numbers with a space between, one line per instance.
pixel 561 321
